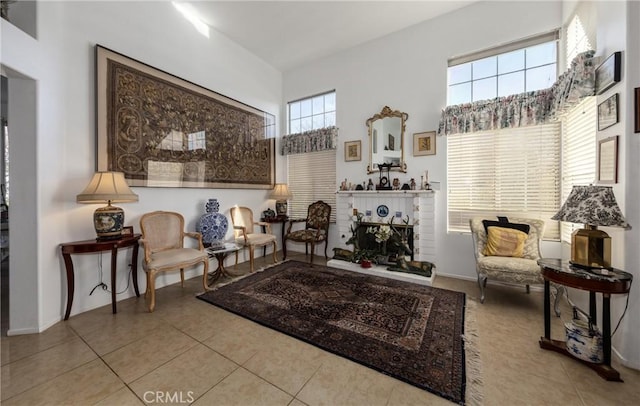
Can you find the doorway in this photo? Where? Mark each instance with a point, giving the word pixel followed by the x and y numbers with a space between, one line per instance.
pixel 4 207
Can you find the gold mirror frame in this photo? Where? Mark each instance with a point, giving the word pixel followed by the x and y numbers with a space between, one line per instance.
pixel 375 140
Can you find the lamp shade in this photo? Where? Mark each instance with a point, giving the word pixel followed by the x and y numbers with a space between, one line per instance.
pixel 592 205
pixel 280 192
pixel 107 187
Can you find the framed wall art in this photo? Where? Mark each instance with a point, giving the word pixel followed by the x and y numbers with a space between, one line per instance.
pixel 609 72
pixel 424 143
pixel 637 110
pixel 608 160
pixel 353 151
pixel 164 131
pixel 608 112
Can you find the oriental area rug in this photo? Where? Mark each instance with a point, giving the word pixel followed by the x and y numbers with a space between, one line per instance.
pixel 411 332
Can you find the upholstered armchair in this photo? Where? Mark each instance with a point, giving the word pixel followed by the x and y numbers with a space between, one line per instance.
pixel 503 264
pixel 163 238
pixel 245 235
pixel 316 229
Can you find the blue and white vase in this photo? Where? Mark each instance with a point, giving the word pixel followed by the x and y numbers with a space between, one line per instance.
pixel 212 225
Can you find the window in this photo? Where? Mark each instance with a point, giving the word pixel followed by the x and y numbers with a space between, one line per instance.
pixel 577 40
pixel 522 66
pixel 312 175
pixel 578 153
pixel 513 173
pixel 312 113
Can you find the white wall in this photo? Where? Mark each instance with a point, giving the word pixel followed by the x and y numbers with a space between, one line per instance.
pixel 629 342
pixel 62 62
pixel 412 78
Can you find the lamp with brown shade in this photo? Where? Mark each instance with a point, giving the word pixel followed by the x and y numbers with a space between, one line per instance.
pixel 108 187
pixel 281 193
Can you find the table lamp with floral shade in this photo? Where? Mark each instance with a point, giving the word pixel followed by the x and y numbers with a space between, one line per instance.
pixel 592 206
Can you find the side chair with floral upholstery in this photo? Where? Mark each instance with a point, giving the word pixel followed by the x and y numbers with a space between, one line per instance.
pixel 316 229
pixel 516 262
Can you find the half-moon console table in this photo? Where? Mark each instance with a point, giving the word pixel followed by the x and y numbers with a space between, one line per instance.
pixel 93 246
pixel 606 282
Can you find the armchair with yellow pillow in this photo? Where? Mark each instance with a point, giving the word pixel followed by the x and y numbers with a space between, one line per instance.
pixel 507 250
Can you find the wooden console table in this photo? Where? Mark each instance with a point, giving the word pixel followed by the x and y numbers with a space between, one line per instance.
pixel 597 281
pixel 93 246
pixel 274 220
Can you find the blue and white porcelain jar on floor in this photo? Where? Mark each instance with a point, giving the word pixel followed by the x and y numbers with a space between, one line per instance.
pixel 212 225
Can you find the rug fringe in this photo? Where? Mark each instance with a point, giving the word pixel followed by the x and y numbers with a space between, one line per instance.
pixel 473 365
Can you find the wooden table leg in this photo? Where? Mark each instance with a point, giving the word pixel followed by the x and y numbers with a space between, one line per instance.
pixel 114 269
pixel 606 328
pixel 68 264
pixel 134 269
pixel 547 310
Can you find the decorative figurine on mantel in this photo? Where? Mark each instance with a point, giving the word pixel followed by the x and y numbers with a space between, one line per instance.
pixel 343 185
pixel 370 185
pixel 396 184
pixel 412 184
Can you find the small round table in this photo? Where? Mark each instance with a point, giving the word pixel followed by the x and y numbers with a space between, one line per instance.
pixel 606 282
pixel 220 253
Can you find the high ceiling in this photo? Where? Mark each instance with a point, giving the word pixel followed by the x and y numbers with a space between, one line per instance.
pixel 287 34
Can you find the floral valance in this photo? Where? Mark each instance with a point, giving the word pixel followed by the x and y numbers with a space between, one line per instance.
pixel 524 109
pixel 310 141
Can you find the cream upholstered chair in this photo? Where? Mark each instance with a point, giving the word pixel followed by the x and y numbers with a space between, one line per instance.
pixel 245 235
pixel 163 240
pixel 316 229
pixel 523 271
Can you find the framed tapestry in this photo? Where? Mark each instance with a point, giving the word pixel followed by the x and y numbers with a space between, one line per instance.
pixel 163 131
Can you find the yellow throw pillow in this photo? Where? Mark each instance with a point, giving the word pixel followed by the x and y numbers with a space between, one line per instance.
pixel 505 242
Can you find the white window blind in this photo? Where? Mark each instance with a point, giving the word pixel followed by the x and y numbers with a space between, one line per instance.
pixel 512 172
pixel 312 177
pixel 578 153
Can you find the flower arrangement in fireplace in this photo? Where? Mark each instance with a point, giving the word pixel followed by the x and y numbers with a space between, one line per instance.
pixel 383 244
pixel 382 233
pixel 379 243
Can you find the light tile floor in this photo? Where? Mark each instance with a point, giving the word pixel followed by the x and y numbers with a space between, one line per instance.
pixel 189 351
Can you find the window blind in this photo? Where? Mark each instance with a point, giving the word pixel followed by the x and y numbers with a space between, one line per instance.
pixel 312 177
pixel 578 153
pixel 512 172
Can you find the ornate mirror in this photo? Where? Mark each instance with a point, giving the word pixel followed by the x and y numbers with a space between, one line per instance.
pixel 386 140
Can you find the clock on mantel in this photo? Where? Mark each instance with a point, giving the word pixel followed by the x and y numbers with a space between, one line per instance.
pixel 384 184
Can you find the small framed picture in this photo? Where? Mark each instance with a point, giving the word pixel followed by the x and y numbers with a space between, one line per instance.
pixel 608 160
pixel 424 143
pixel 608 112
pixel 637 110
pixel 127 231
pixel 609 72
pixel 353 151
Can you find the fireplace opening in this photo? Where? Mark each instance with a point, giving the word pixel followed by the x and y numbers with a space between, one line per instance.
pixel 384 242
